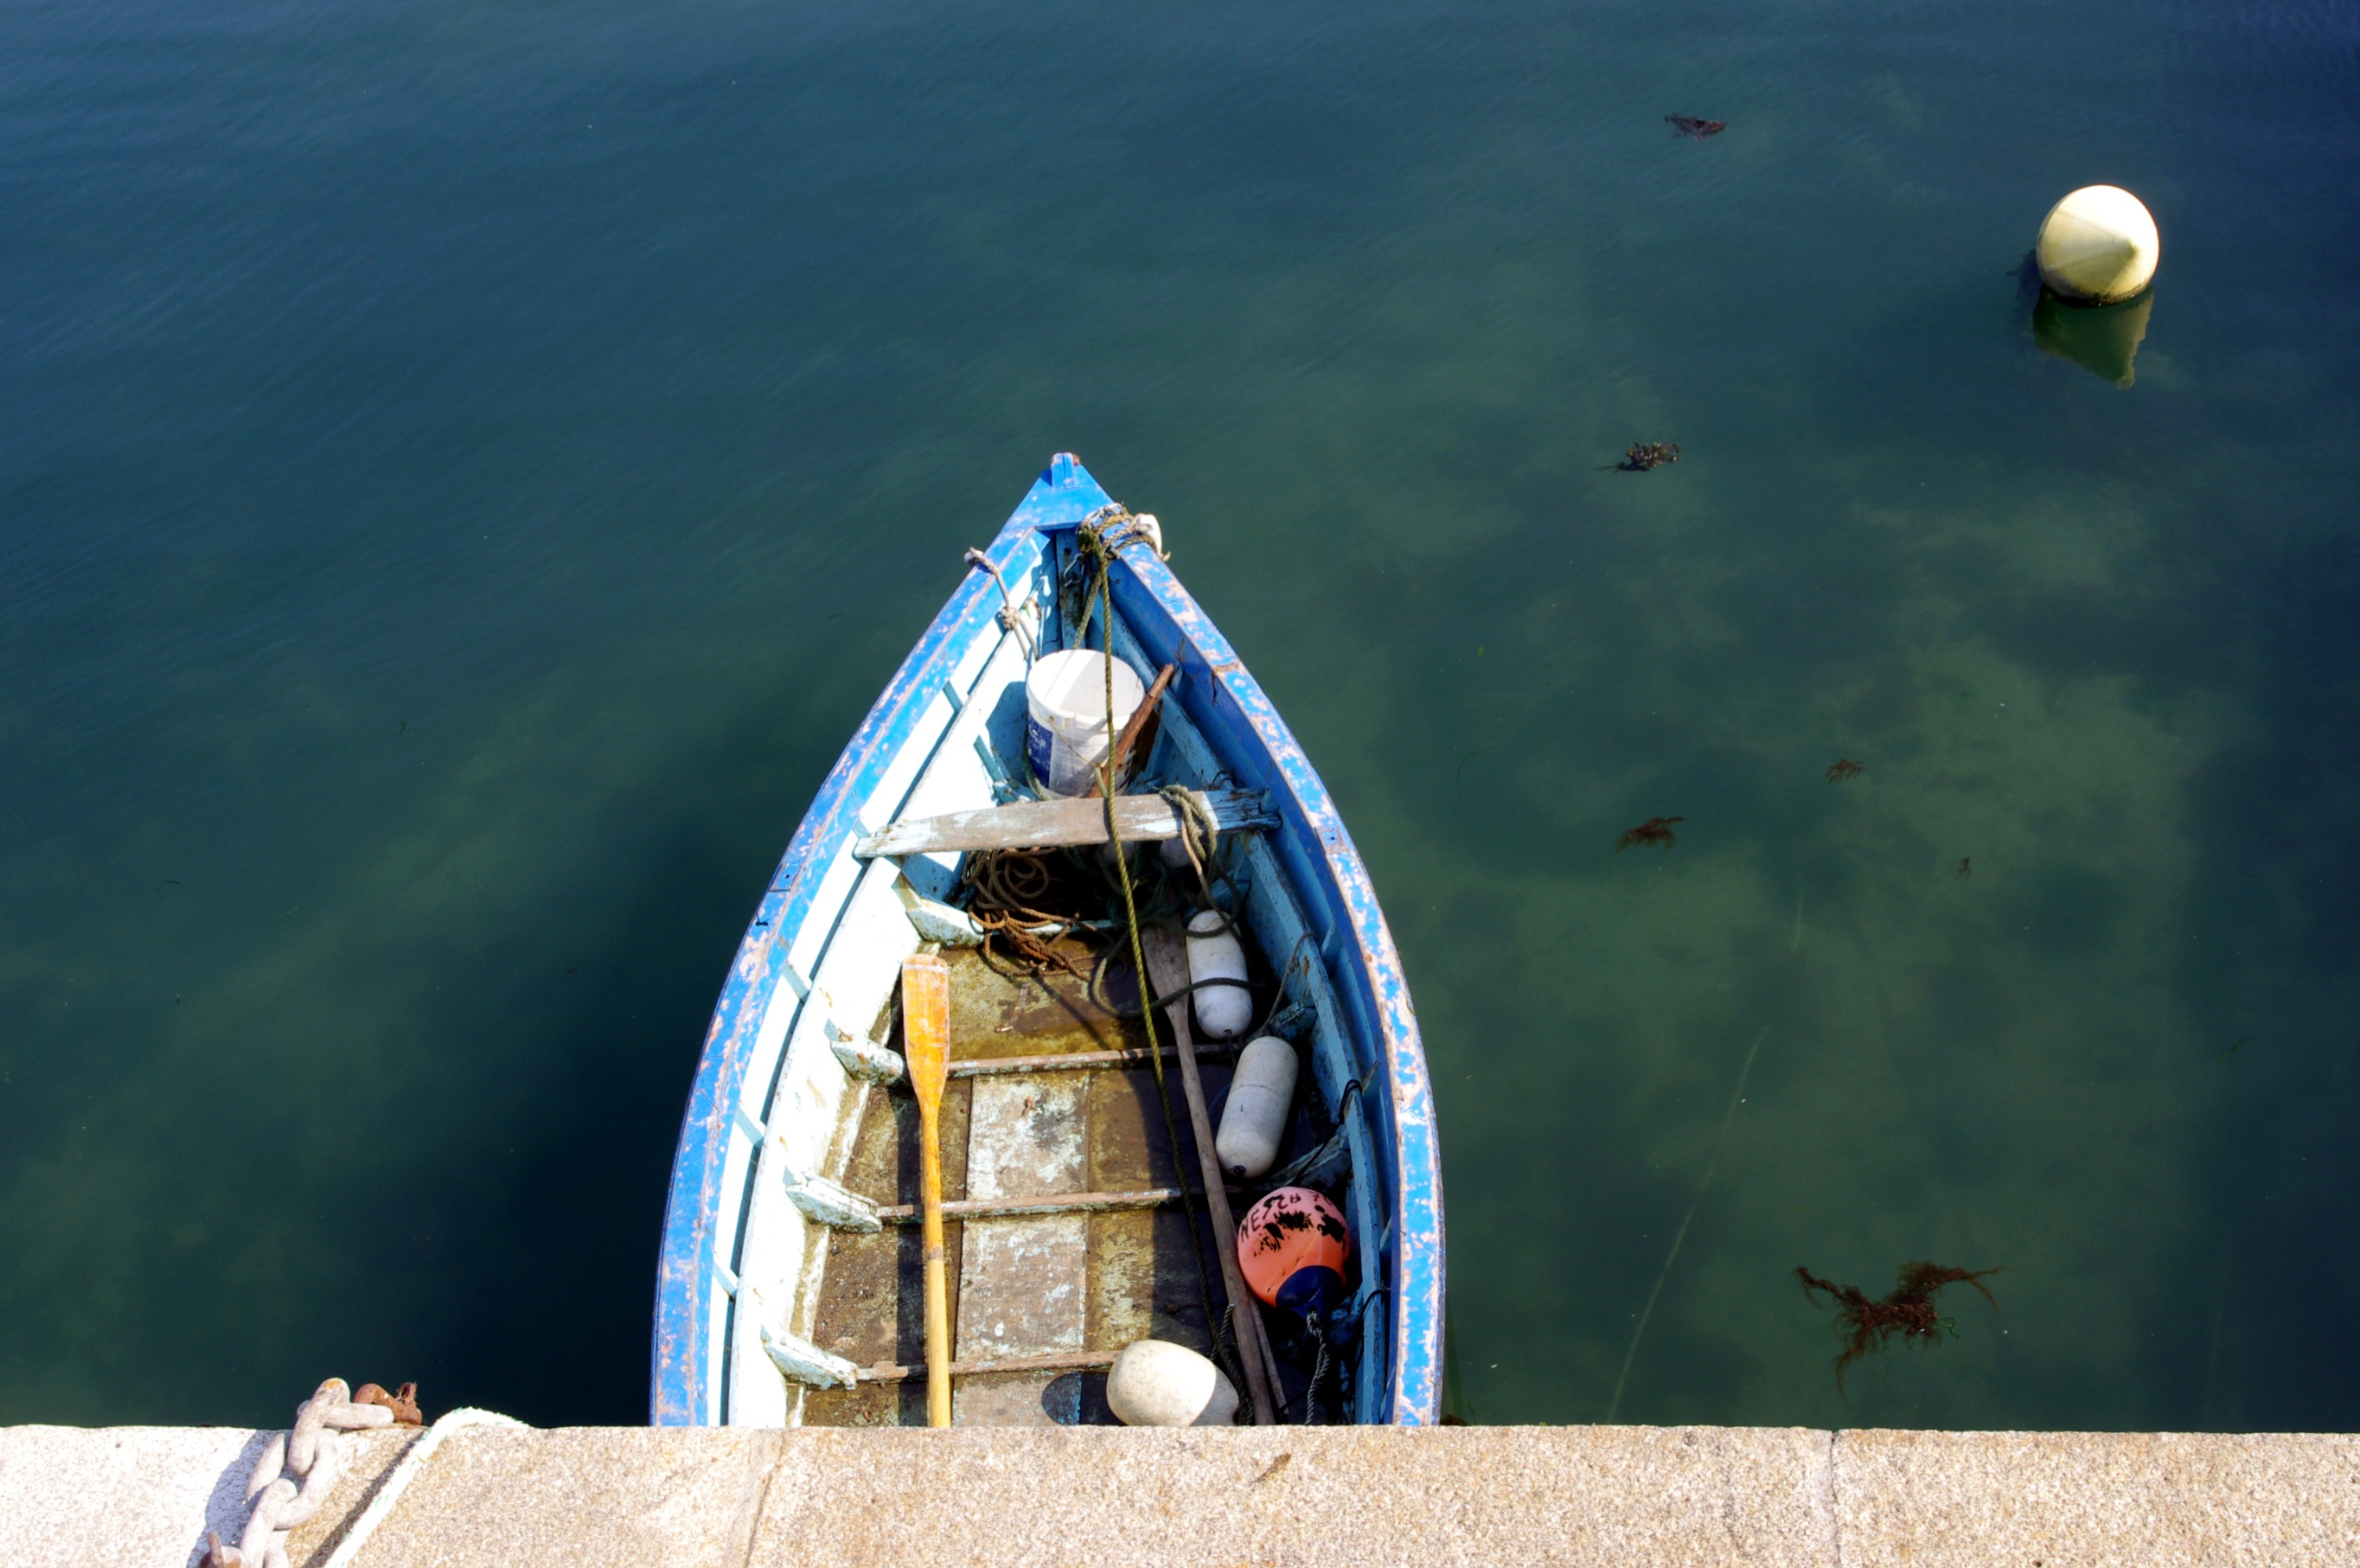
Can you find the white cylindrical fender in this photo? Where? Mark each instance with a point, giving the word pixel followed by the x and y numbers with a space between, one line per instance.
pixel 2098 246
pixel 1223 1012
pixel 1154 1383
pixel 1254 1120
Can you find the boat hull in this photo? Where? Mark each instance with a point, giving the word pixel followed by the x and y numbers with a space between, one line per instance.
pixel 815 966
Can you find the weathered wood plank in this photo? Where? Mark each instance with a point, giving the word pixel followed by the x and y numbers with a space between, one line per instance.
pixel 1036 1400
pixel 1024 1284
pixel 1024 1140
pixel 1024 1280
pixel 1045 824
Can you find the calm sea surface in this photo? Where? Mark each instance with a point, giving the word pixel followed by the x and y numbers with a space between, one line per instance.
pixel 465 470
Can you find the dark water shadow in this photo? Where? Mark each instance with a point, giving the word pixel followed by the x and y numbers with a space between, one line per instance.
pixel 2267 972
pixel 2102 339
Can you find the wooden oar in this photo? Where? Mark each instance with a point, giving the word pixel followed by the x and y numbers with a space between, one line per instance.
pixel 1167 968
pixel 925 1047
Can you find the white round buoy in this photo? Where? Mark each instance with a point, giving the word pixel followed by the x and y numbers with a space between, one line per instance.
pixel 2098 246
pixel 1154 1383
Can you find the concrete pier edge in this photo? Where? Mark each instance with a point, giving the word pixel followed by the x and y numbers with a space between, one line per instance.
pixel 1097 1497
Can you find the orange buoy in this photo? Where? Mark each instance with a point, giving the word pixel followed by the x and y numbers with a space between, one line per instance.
pixel 1291 1248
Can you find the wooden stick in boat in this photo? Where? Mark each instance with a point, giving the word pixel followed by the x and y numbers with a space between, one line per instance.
pixel 1076 1061
pixel 925 1046
pixel 1046 1203
pixel 1062 1361
pixel 1138 725
pixel 961 1210
pixel 1167 965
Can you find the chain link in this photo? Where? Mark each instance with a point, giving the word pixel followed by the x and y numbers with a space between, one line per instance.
pixel 298 1469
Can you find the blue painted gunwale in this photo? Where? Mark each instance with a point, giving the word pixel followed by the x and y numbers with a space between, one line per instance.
pixel 1230 707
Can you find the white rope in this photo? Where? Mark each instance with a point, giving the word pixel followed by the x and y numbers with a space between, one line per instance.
pixel 1016 617
pixel 404 1472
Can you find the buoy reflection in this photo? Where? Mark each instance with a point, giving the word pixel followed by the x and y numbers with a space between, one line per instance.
pixel 2102 339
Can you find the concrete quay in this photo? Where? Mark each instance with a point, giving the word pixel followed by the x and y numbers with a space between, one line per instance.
pixel 1096 1498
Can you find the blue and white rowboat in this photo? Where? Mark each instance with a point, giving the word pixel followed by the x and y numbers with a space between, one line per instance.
pixel 764 1279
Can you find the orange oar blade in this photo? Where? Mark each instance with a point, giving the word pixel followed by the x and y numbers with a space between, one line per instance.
pixel 925 1046
pixel 926 1023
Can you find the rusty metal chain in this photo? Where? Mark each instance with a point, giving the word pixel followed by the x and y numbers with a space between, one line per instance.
pixel 298 1469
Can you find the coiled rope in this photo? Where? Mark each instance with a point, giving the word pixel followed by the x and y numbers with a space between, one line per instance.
pixel 1006 882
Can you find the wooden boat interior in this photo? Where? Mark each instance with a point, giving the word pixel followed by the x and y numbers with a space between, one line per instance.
pixel 1074 1227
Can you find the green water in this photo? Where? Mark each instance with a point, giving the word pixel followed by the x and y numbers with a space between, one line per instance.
pixel 468 469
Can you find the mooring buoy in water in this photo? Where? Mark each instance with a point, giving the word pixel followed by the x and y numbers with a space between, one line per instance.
pixel 1154 1383
pixel 2098 246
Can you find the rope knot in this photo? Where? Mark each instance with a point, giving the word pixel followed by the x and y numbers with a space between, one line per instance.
pixel 1114 528
pixel 1200 832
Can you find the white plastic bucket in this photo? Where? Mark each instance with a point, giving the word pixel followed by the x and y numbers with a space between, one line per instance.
pixel 1064 699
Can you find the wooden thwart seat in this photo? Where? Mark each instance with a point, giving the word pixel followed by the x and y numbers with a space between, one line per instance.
pixel 1046 824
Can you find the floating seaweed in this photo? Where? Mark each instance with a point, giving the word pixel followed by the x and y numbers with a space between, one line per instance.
pixel 1689 125
pixel 1655 830
pixel 1908 1314
pixel 1844 768
pixel 1965 869
pixel 1645 455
